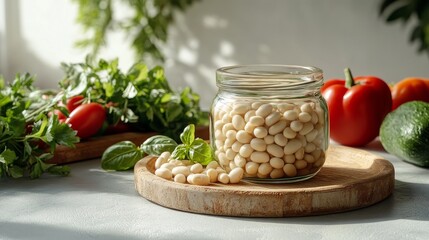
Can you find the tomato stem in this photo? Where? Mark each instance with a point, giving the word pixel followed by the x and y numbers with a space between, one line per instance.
pixel 349 78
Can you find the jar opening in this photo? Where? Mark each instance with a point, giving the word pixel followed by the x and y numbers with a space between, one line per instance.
pixel 287 77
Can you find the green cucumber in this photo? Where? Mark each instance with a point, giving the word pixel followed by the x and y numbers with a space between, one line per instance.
pixel 405 133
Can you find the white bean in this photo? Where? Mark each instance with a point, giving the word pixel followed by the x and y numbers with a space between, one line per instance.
pixel 218 125
pixel 277 162
pixel 306 107
pixel 223 178
pixel 307 128
pixel 292 146
pixel 249 114
pixel 296 126
pixel 223 160
pixel 159 161
pixel 258 144
pixel 236 146
pixel 311 135
pixel 277 173
pixel 277 128
pixel 280 140
pixel 212 174
pixel 256 105
pixel 219 135
pixel 304 117
pixel 231 134
pixel 275 150
pixel 290 170
pixel 309 158
pixel 272 118
pixel 235 175
pixel 257 121
pixel 168 166
pixel 226 128
pixel 260 157
pixel 290 115
pixel 238 122
pixel 300 164
pixel 243 136
pixel 197 168
pixel 251 168
pixel 310 147
pixel 164 173
pixel 283 107
pixel 181 170
pixel 299 154
pixel 241 108
pixel 260 132
pixel 314 118
pixel 264 110
pixel 246 150
pixel 249 127
pixel 289 133
pixel 290 158
pixel 226 118
pixel 180 178
pixel 212 164
pixel 200 179
pixel 269 139
pixel 239 161
pixel 230 154
pixel 265 169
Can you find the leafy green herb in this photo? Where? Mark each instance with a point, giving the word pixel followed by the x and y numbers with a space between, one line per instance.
pixel 158 144
pixel 147 27
pixel 124 155
pixel 28 138
pixel 121 156
pixel 141 96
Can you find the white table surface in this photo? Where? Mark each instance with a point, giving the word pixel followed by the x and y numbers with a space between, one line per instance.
pixel 94 204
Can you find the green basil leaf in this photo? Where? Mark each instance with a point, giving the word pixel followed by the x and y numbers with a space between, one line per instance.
pixel 180 152
pixel 7 156
pixel 200 151
pixel 188 134
pixel 121 156
pixel 158 144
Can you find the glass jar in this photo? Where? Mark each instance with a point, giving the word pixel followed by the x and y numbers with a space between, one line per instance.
pixel 270 120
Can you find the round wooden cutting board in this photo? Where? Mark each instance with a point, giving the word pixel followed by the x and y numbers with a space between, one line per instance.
pixel 350 179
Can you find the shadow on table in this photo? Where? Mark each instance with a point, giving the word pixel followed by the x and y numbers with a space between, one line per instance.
pixel 408 201
pixel 11 230
pixel 85 176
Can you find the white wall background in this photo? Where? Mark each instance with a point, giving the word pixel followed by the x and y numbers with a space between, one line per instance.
pixel 35 36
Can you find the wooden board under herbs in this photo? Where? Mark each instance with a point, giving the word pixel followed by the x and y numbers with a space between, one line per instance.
pixel 94 147
pixel 350 179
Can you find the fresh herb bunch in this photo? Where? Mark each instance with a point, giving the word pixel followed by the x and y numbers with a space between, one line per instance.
pixel 124 155
pixel 28 138
pixel 404 10
pixel 141 97
pixel 148 27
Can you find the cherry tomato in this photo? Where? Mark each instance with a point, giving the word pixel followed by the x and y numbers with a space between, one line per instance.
pixel 60 115
pixel 87 119
pixel 74 102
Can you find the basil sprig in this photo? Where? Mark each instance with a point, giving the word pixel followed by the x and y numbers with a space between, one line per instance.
pixel 124 155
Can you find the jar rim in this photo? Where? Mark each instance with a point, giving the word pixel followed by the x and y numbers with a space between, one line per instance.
pixel 270 76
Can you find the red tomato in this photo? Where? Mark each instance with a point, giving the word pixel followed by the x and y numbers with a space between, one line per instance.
pixel 87 119
pixel 74 102
pixel 60 115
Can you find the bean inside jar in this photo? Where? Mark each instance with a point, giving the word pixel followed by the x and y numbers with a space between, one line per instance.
pixel 270 137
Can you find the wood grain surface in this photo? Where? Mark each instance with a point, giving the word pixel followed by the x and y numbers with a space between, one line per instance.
pixel 350 179
pixel 94 147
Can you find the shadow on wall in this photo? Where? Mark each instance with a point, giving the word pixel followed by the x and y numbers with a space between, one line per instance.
pixel 14 59
pixel 208 36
